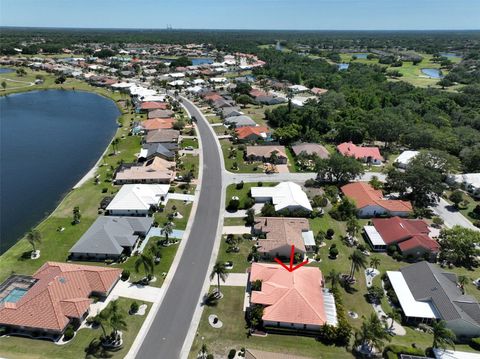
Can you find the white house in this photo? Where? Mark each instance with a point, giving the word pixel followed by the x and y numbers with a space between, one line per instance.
pixel 405 157
pixel 137 199
pixel 286 195
pixel 469 181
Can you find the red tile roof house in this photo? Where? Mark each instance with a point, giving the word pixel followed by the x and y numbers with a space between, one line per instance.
pixel 58 294
pixel 370 202
pixel 253 133
pixel 412 236
pixel 366 154
pixel 147 106
pixel 293 300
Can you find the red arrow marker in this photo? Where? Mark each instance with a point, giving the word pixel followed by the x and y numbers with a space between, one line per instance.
pixel 291 268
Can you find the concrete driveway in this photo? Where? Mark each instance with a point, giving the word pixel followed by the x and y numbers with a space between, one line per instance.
pixel 451 216
pixel 138 292
pixel 233 280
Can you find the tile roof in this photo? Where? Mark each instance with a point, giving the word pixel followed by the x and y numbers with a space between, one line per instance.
pixel 365 195
pixel 160 113
pixel 311 148
pixel 244 132
pixel 359 152
pixel 154 169
pixel 289 297
pixel 154 105
pixel 61 292
pixel 158 123
pixel 159 136
pixel 280 232
pixel 266 151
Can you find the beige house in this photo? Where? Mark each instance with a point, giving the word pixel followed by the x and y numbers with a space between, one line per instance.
pixel 265 154
pixel 155 170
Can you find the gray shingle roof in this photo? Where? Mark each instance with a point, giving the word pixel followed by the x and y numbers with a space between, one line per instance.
pixel 428 282
pixel 165 150
pixel 240 121
pixel 109 234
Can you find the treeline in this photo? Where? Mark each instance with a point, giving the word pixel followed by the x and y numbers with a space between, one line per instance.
pixel 362 106
pixel 241 40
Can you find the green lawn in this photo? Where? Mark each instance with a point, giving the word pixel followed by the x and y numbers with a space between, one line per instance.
pixel 214 119
pixel 220 130
pixel 233 221
pixel 243 166
pixel 189 142
pixel 190 162
pixel 168 254
pixel 472 203
pixel 23 348
pixel 292 164
pixel 239 259
pixel 234 335
pixel 243 193
pixel 181 207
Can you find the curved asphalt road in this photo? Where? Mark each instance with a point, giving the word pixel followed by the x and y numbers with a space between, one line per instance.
pixel 169 329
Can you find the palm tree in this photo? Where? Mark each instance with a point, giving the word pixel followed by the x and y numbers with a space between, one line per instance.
pixel 359 260
pixel 375 262
pixel 334 278
pixel 204 351
pixel 167 230
pixel 372 334
pixel 115 145
pixel 146 261
pixel 442 336
pixel 33 237
pixel 117 319
pixel 352 227
pixel 221 272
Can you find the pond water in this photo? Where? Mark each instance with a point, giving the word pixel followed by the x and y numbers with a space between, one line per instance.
pixel 449 55
pixel 432 73
pixel 48 141
pixel 361 55
pixel 4 70
pixel 343 66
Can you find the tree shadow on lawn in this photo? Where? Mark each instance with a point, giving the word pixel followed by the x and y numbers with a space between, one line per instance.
pixel 210 300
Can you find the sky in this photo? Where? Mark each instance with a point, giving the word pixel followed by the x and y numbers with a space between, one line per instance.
pixel 245 14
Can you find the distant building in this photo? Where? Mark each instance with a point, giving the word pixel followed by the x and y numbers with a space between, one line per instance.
pixel 365 154
pixel 253 133
pixel 405 157
pixel 469 181
pixel 270 153
pixel 240 121
pixel 310 149
pixel 370 202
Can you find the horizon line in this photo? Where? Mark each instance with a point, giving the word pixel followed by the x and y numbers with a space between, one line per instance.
pixel 229 29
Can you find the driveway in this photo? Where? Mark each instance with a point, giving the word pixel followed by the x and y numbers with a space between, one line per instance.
pixel 233 280
pixel 236 230
pixel 137 292
pixel 451 216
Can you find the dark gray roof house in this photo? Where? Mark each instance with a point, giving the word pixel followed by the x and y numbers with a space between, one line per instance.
pixel 426 289
pixel 163 150
pixel 231 111
pixel 110 236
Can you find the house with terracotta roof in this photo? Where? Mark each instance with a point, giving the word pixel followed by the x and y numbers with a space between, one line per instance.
pixel 371 203
pixel 253 133
pixel 157 124
pixel 365 154
pixel 56 295
pixel 278 234
pixel 265 153
pixel 413 237
pixel 150 105
pixel 293 300
pixel 155 170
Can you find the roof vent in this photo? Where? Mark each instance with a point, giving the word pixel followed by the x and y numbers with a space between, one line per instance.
pixel 62 280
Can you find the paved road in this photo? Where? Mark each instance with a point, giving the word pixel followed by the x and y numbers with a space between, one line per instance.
pixel 172 321
pixel 451 216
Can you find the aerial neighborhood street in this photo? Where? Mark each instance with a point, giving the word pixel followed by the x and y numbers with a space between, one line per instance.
pixel 313 197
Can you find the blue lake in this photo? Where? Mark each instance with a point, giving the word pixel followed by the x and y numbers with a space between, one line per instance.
pixel 48 141
pixel 433 73
pixel 5 70
pixel 449 55
pixel 343 66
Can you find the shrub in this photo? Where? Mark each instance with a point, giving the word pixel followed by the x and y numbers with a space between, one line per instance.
pixel 260 184
pixel 104 190
pixel 333 252
pixel 249 202
pixel 310 183
pixel 134 308
pixel 232 353
pixel 125 275
pixel 475 343
pixel 233 205
pixel 210 356
pixel 400 349
pixel 330 233
pixel 361 247
pixel 69 333
pixel 239 185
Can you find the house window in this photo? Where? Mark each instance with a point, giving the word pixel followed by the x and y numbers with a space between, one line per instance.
pixel 278 324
